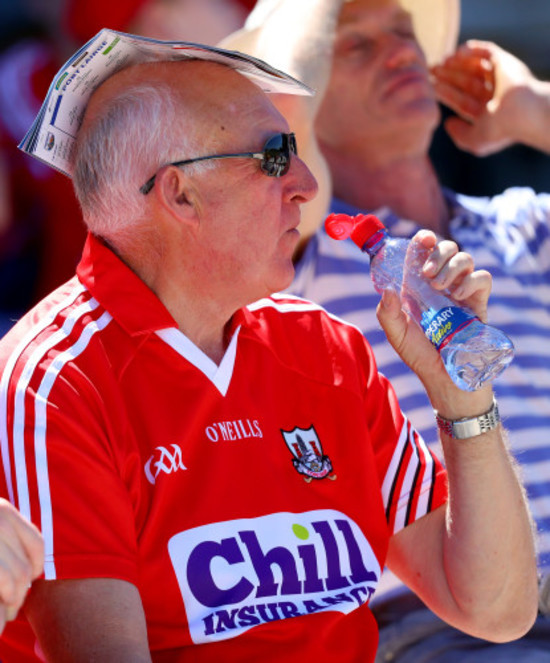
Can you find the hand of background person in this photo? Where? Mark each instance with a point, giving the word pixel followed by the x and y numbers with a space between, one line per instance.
pixel 497 99
pixel 21 560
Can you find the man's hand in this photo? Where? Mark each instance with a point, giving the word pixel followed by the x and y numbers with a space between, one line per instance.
pixel 447 269
pixel 21 560
pixel 497 99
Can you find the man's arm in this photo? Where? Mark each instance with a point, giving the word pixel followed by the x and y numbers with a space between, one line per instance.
pixel 93 619
pixel 473 561
pixel 518 108
pixel 21 560
pixel 297 37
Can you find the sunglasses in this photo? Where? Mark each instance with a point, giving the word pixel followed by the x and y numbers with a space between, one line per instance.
pixel 274 158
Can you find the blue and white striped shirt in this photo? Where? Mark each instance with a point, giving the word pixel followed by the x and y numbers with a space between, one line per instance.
pixel 508 235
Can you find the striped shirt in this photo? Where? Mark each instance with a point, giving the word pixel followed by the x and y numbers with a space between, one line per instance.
pixel 508 235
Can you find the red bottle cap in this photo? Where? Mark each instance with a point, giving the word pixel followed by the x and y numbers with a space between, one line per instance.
pixel 359 227
pixel 339 226
pixel 366 225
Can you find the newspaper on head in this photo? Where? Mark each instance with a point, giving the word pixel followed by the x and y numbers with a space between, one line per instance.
pixel 52 135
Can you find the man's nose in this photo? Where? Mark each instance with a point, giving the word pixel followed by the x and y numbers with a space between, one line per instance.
pixel 302 181
pixel 402 51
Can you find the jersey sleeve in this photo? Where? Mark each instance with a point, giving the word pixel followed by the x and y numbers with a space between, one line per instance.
pixel 62 472
pixel 413 480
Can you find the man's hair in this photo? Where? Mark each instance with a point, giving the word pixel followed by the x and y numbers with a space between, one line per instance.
pixel 130 137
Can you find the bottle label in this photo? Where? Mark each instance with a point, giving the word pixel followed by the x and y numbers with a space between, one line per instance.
pixel 442 325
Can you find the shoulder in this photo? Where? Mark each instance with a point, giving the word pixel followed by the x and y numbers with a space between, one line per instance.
pixel 307 338
pixel 302 315
pixel 57 333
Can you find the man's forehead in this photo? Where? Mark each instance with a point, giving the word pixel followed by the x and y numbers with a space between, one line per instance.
pixel 436 23
pixel 354 10
pixel 187 77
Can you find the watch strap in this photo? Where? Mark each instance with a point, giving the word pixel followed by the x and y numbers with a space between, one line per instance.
pixel 462 429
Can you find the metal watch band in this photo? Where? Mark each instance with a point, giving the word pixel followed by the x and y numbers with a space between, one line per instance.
pixel 462 429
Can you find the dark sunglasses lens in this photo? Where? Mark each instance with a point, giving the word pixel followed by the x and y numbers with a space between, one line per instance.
pixel 276 161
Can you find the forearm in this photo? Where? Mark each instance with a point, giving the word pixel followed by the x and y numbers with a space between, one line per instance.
pixel 488 555
pixel 90 619
pixel 488 550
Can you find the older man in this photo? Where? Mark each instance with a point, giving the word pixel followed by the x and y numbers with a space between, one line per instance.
pixel 375 124
pixel 220 473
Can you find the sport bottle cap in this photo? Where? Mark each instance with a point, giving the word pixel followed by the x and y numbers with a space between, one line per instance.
pixel 359 227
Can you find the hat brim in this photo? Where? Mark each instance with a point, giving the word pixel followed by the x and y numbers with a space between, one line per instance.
pixel 436 25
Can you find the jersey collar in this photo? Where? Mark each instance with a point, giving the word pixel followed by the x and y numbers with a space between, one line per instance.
pixel 115 286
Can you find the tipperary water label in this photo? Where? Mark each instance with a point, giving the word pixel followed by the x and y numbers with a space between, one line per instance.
pixel 238 574
pixel 439 327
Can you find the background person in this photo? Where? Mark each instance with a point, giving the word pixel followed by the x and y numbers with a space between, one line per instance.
pixel 162 408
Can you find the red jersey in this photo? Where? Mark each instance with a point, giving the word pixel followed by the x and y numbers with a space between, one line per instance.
pixel 251 502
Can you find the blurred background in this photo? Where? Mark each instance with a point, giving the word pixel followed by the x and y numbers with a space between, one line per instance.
pixel 40 232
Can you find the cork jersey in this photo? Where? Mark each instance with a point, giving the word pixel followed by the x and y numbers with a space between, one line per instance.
pixel 251 502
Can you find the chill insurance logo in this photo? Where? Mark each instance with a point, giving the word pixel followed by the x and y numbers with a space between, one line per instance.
pixel 239 574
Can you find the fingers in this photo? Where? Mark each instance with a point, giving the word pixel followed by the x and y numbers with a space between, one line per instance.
pixel 473 285
pixel 452 272
pixel 465 82
pixel 392 319
pixel 447 266
pixel 32 543
pixel 21 558
pixel 15 576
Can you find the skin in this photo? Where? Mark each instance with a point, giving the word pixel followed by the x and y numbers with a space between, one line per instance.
pixel 21 560
pixel 380 84
pixel 498 100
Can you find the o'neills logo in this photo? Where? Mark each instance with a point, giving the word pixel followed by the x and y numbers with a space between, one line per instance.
pixel 239 429
pixel 236 575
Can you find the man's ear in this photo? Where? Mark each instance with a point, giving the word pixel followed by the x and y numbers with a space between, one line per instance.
pixel 175 193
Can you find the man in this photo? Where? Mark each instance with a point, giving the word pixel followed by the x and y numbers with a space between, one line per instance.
pixel 217 472
pixel 374 125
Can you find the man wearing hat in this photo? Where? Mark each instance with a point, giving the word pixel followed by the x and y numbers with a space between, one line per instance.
pixel 374 125
pixel 220 473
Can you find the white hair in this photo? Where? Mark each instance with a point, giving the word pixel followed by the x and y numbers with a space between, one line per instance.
pixel 130 138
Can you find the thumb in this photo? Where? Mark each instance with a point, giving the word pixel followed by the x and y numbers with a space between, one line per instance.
pixel 392 318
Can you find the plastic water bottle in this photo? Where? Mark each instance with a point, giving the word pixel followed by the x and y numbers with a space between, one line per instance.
pixel 473 352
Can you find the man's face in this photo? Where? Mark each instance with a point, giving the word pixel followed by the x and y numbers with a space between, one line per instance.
pixel 247 233
pixel 379 95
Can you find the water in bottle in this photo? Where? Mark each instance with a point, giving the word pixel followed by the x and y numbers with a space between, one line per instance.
pixel 473 352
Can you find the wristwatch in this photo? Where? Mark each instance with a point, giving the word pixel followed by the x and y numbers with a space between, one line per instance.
pixel 462 429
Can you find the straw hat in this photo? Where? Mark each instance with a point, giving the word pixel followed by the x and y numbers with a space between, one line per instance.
pixel 436 24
